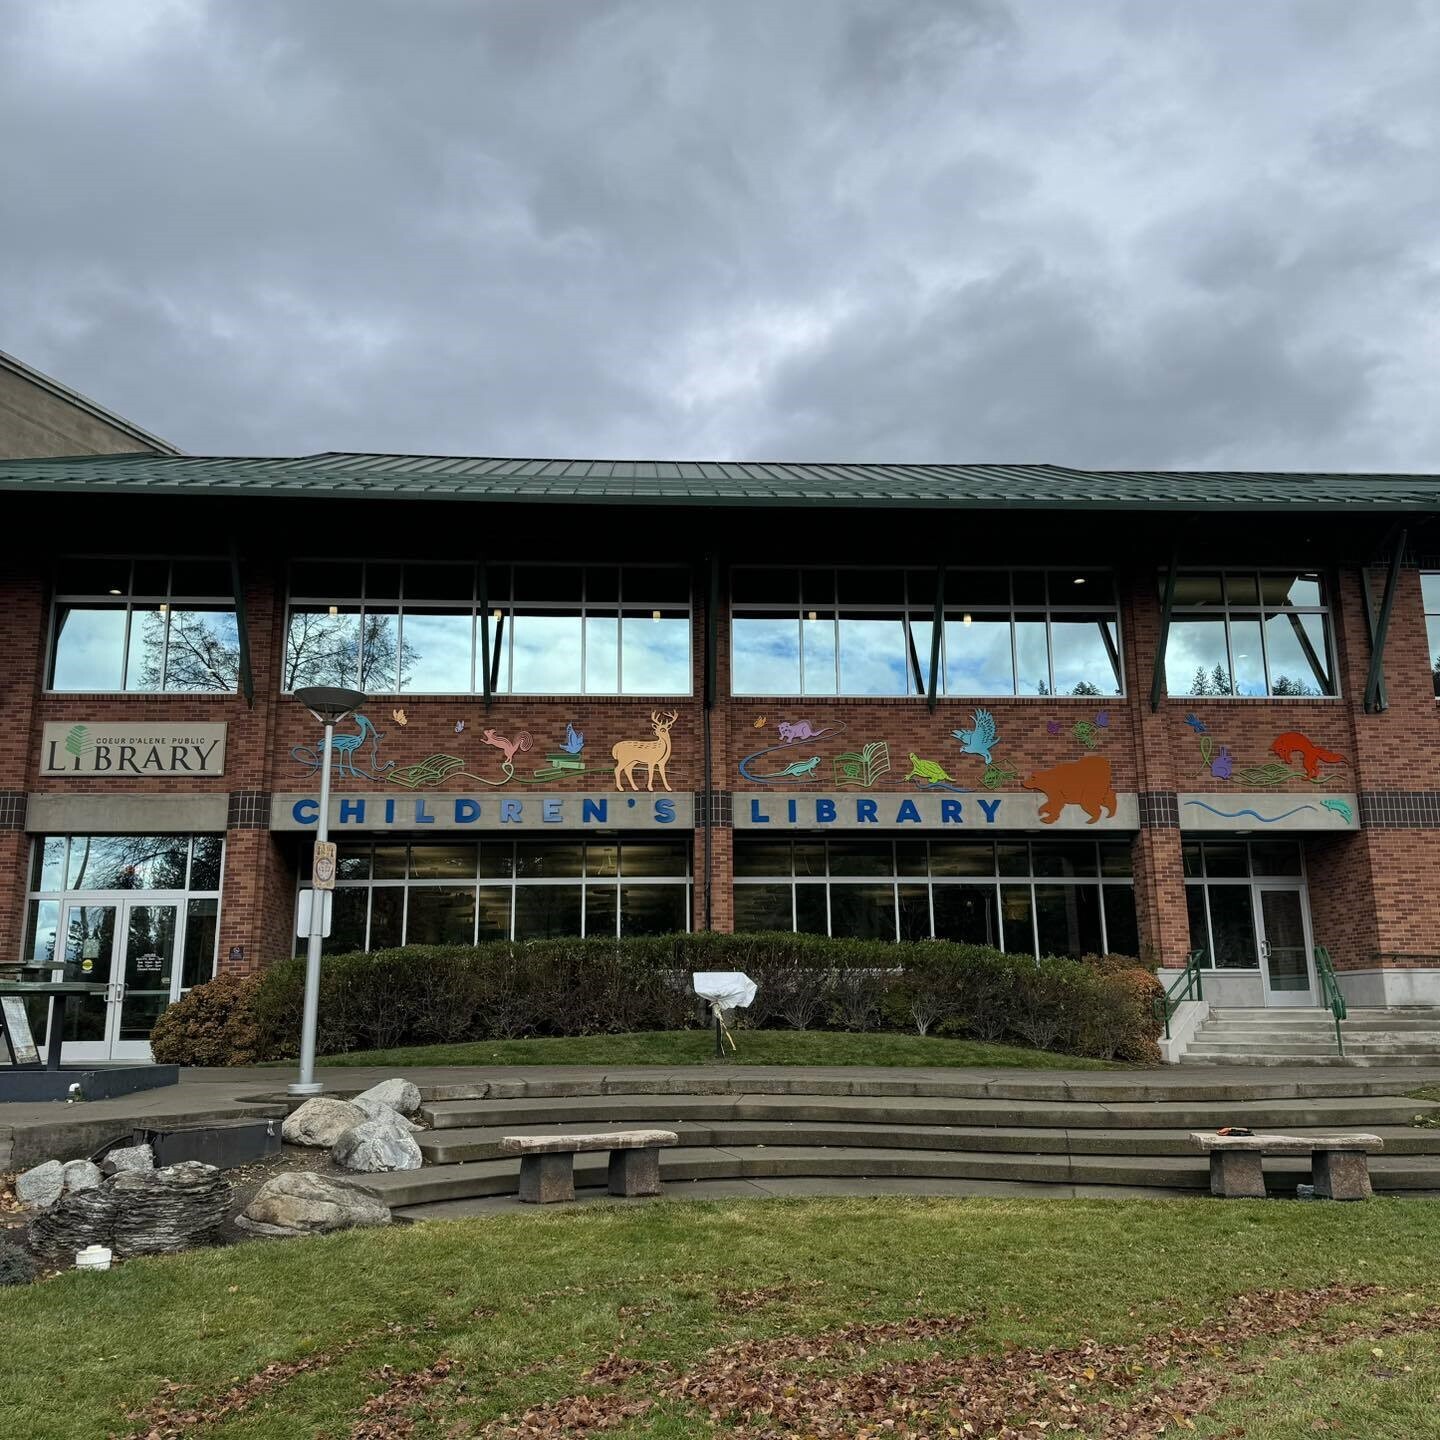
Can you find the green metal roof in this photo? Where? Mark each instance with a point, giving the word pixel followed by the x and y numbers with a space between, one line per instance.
pixel 671 482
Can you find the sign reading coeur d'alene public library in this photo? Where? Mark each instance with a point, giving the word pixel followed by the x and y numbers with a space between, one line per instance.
pixel 123 751
pixel 536 810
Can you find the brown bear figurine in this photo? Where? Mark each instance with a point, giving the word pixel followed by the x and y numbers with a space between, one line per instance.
pixel 1085 782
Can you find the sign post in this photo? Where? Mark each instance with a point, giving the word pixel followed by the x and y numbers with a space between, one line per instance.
pixel 329 706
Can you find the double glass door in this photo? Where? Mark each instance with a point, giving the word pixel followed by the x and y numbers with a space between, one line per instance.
pixel 130 947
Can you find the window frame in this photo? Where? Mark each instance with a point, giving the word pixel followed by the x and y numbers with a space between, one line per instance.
pixel 168 603
pixel 508 883
pixel 63 894
pixel 1432 655
pixel 1204 881
pixel 1260 613
pixel 923 611
pixel 996 880
pixel 499 609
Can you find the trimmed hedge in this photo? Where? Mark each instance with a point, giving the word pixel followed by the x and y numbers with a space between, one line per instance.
pixel 1100 1006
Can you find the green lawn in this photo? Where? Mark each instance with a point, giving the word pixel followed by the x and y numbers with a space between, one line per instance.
pixel 836 1316
pixel 697 1047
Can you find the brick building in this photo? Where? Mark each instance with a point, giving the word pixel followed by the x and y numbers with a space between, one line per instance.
pixel 1058 711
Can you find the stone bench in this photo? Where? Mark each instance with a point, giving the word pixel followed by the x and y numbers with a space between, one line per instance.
pixel 1338 1165
pixel 547 1162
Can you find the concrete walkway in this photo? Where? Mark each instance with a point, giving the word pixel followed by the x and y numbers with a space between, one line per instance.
pixel 35 1131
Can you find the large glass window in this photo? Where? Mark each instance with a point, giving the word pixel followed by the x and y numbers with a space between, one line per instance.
pixel 427 628
pixel 462 892
pixel 69 872
pixel 1219 895
pixel 1249 633
pixel 1430 590
pixel 870 632
pixel 144 625
pixel 1041 897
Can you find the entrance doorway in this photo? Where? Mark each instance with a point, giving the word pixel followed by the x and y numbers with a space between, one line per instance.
pixel 1250 917
pixel 129 946
pixel 1282 929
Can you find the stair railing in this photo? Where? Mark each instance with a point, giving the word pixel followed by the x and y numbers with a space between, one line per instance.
pixel 1187 985
pixel 1330 991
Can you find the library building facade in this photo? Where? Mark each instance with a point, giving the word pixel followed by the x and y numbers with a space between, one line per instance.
pixel 1050 710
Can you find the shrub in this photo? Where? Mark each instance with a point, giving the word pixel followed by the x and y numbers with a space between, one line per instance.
pixel 17 1266
pixel 213 1024
pixel 421 994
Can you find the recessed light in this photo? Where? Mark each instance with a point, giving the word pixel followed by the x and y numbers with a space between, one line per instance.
pixel 1079 580
pixel 966 619
pixel 117 592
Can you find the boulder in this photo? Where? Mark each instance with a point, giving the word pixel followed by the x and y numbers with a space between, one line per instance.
pixel 400 1095
pixel 78 1219
pixel 41 1186
pixel 379 1110
pixel 320 1122
pixel 383 1142
pixel 303 1203
pixel 81 1175
pixel 128 1157
pixel 159 1212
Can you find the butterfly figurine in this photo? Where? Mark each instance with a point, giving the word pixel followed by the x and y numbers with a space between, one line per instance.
pixel 760 722
pixel 459 727
pixel 1195 723
pixel 400 718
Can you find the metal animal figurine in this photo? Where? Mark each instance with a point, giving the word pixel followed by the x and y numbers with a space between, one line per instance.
pixel 653 754
pixel 930 771
pixel 799 768
pixel 791 731
pixel 1086 733
pixel 759 722
pixel 459 727
pixel 574 741
pixel 1195 723
pixel 506 746
pixel 400 718
pixel 981 740
pixel 343 749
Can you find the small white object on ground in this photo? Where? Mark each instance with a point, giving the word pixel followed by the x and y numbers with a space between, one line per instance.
pixel 93 1257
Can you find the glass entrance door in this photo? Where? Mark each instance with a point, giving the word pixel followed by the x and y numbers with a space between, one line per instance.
pixel 1283 932
pixel 129 946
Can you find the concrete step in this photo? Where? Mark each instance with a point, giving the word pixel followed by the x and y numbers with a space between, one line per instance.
pixel 1097 1087
pixel 449 1147
pixel 1332 1060
pixel 406 1188
pixel 1321 1023
pixel 1422 1013
pixel 1227 1046
pixel 1177 1114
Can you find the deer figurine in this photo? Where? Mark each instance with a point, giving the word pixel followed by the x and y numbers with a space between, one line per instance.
pixel 651 753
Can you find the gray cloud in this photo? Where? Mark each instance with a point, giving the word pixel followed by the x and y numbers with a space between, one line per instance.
pixel 1128 232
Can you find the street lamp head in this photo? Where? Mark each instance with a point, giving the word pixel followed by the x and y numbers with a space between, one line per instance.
pixel 330 704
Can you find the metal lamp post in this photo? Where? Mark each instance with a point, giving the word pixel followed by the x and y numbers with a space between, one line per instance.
pixel 329 704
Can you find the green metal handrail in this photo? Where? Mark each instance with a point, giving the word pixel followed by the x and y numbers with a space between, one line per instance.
pixel 1188 985
pixel 1330 989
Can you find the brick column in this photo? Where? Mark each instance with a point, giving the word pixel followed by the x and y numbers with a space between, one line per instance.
pixel 257 908
pixel 722 868
pixel 1160 897
pixel 22 654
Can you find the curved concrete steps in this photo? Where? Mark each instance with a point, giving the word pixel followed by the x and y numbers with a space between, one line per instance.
pixel 902 1132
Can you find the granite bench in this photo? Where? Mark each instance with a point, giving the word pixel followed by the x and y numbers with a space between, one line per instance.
pixel 1338 1163
pixel 547 1162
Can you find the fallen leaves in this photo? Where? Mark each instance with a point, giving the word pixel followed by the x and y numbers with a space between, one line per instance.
pixel 833 1385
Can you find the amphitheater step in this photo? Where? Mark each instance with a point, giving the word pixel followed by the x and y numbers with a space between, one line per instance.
pixel 450 1147
pixel 912 1110
pixel 406 1188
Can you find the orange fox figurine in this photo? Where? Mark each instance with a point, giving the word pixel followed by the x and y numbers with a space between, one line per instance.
pixel 1292 745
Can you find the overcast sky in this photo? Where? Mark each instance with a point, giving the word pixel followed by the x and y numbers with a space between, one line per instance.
pixel 1092 232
